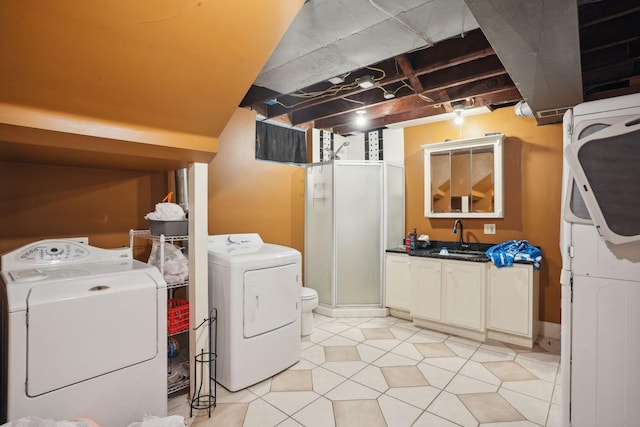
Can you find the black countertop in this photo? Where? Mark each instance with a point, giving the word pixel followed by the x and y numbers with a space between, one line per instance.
pixel 472 252
pixel 438 244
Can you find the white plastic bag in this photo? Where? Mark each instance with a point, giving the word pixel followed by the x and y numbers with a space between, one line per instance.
pixel 176 265
pixel 166 212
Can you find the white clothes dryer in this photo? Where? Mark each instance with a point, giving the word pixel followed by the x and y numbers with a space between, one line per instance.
pixel 255 288
pixel 83 334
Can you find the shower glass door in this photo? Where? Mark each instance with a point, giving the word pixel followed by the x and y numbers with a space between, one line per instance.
pixel 319 256
pixel 359 224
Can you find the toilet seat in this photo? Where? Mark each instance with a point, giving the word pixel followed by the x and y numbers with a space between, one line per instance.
pixel 308 293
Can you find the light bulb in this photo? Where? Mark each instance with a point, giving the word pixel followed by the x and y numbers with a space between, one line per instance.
pixel 459 119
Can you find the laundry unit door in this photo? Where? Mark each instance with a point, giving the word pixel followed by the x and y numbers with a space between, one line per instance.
pixel 271 298
pixel 605 384
pixel 82 328
pixel 605 168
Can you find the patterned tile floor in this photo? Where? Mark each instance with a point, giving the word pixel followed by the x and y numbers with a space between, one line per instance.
pixel 386 372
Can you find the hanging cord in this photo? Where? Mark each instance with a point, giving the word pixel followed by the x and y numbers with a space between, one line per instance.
pixel 401 22
pixel 332 91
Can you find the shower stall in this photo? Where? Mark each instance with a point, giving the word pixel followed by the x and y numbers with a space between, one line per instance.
pixel 354 210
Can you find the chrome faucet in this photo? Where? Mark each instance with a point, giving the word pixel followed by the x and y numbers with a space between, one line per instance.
pixel 461 242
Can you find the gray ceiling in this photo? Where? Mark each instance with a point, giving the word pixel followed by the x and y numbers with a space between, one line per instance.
pixel 332 37
pixel 431 54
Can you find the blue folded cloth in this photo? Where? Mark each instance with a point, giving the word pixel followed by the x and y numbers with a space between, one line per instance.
pixel 504 254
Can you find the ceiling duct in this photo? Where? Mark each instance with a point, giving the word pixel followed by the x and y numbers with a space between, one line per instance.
pixel 522 109
pixel 538 43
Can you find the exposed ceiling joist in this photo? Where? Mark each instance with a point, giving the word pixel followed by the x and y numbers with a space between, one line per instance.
pixel 527 50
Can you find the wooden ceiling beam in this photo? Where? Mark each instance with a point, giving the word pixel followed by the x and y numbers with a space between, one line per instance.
pixel 444 55
pixel 469 72
pixel 620 30
pixel 493 91
pixel 478 70
pixel 507 96
pixel 406 103
pixel 328 92
pixel 380 122
pixel 597 12
pixel 606 76
pixel 481 87
pixel 409 73
pixel 258 95
pixel 451 52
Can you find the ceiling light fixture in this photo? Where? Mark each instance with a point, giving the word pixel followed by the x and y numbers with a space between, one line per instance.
pixel 336 80
pixel 361 118
pixel 389 95
pixel 458 109
pixel 365 82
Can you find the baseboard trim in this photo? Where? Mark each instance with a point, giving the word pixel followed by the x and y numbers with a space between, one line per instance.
pixel 549 330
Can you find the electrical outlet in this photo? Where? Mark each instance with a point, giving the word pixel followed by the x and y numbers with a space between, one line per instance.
pixel 489 229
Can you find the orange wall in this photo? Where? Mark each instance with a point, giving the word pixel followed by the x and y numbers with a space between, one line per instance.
pixel 44 201
pixel 176 65
pixel 532 183
pixel 144 79
pixel 249 195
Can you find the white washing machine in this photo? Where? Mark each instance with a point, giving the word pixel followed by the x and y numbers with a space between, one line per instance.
pixel 83 334
pixel 255 288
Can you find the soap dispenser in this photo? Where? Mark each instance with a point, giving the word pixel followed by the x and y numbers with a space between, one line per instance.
pixel 413 237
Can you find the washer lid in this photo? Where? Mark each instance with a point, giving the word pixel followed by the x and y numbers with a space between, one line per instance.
pixel 59 252
pixel 605 168
pixel 19 282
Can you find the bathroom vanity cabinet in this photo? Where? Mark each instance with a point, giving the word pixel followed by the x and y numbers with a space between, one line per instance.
pixel 449 296
pixel 398 284
pixel 463 286
pixel 427 289
pixel 470 299
pixel 512 304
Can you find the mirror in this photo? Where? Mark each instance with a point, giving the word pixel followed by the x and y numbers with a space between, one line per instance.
pixel 463 178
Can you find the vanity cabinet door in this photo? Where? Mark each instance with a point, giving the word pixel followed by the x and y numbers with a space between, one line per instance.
pixel 510 299
pixel 426 274
pixel 398 281
pixel 463 285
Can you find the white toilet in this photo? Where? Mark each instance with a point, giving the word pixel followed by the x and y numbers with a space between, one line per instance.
pixel 309 302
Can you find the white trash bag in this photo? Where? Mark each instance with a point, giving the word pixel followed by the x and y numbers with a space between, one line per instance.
pixel 176 265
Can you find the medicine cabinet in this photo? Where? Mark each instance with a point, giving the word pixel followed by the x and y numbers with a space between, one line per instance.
pixel 463 178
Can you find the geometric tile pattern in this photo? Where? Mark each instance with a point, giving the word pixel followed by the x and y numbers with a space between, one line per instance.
pixel 377 333
pixel 387 372
pixel 509 371
pixel 293 380
pixel 404 376
pixel 490 408
pixel 435 350
pixel 341 353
